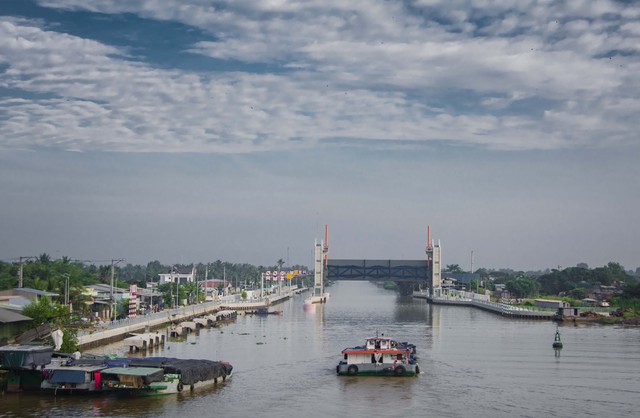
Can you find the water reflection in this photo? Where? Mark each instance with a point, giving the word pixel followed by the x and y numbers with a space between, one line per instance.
pixel 472 363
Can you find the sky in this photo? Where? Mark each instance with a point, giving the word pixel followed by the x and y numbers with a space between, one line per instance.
pixel 193 131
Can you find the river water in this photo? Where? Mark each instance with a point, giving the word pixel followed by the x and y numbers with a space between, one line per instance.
pixel 473 364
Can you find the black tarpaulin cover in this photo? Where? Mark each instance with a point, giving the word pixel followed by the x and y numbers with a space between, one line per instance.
pixel 190 371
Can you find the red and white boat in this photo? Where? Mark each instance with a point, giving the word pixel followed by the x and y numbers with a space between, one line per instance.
pixel 380 356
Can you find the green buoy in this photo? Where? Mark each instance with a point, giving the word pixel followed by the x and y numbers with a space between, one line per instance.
pixel 557 343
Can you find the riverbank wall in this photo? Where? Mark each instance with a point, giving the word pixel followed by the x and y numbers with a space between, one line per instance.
pixel 114 331
pixel 482 302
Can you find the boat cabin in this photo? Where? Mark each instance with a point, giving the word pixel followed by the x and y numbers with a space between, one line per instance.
pixel 378 343
pixel 377 351
pixel 379 356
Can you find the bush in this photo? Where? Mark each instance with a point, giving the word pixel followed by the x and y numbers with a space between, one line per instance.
pixel 69 341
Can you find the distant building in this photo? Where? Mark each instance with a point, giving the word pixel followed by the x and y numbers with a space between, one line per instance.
pixel 461 278
pixel 181 275
pixel 27 293
pixel 547 303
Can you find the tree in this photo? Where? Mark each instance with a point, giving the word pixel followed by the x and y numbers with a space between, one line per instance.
pixel 577 294
pixel 522 286
pixel 453 268
pixel 44 311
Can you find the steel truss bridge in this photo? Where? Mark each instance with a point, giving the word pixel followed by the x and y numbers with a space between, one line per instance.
pixel 405 273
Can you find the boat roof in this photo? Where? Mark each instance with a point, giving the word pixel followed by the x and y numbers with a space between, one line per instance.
pixel 362 350
pixel 93 368
pixel 26 348
pixel 132 371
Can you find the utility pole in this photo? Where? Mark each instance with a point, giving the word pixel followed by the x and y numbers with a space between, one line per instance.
pixel 20 272
pixel 66 289
pixel 113 264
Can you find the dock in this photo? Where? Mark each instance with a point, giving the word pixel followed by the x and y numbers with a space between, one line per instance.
pixel 146 341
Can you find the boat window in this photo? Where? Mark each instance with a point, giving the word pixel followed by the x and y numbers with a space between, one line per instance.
pixel 345 356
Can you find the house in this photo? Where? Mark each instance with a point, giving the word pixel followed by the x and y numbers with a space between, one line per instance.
pixel 461 278
pixel 210 288
pixel 100 298
pixel 11 324
pixel 27 293
pixel 550 304
pixel 148 299
pixel 180 275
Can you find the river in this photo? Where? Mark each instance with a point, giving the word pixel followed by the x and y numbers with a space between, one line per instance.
pixel 473 364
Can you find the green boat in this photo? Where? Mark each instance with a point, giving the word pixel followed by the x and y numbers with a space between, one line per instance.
pixel 161 376
pixel 140 381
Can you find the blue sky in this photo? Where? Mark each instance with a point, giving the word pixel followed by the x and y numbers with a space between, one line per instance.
pixel 190 131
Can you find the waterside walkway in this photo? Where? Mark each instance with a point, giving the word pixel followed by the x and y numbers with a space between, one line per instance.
pixel 483 302
pixel 112 331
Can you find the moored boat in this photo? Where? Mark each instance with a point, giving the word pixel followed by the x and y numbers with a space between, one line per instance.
pixel 22 365
pixel 264 311
pixel 380 356
pixel 70 379
pixel 152 376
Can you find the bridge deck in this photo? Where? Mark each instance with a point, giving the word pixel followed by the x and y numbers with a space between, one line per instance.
pixel 378 270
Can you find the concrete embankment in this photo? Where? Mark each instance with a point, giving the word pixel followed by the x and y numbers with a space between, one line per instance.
pixel 116 331
pixel 494 307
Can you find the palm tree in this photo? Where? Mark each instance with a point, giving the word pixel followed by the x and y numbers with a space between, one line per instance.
pixel 453 268
pixel 280 262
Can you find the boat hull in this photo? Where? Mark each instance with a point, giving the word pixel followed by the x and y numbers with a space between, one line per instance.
pixel 373 369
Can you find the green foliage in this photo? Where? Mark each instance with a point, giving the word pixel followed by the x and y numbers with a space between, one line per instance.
pixel 453 268
pixel 578 294
pixel 243 295
pixel 44 311
pixel 630 298
pixel 522 286
pixel 69 341
pixel 571 279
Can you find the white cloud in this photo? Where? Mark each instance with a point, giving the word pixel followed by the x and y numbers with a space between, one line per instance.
pixel 360 70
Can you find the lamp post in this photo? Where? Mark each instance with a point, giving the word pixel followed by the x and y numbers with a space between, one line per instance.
pixel 66 291
pixel 173 270
pixel 113 264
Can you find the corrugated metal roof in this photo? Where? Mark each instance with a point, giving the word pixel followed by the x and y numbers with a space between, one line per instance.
pixel 7 316
pixel 33 291
pixel 132 371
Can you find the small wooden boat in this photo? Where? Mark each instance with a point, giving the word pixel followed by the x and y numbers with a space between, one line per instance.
pixel 264 311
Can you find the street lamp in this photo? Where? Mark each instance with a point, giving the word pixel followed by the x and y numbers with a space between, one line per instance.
pixel 113 264
pixel 66 291
pixel 173 270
